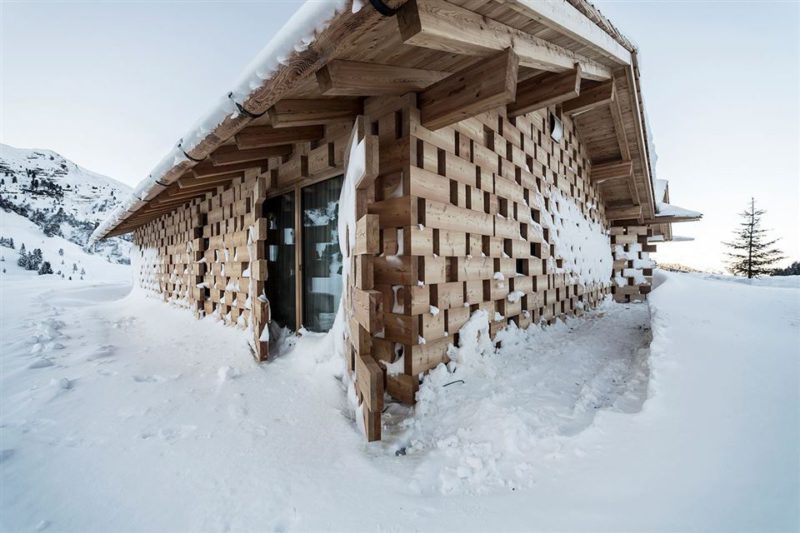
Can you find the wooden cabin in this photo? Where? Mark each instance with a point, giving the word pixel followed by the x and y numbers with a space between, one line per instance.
pixel 488 154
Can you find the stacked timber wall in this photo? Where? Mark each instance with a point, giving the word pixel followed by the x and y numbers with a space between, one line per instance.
pixel 198 256
pixel 478 215
pixel 633 268
pixel 209 254
pixel 166 260
pixel 467 218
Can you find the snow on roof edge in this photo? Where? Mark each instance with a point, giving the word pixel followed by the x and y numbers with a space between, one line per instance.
pixel 670 210
pixel 295 36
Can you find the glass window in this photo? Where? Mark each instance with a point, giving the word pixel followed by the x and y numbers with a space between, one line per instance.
pixel 321 259
pixel 281 256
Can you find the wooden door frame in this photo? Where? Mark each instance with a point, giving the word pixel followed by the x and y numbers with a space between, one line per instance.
pixel 297 191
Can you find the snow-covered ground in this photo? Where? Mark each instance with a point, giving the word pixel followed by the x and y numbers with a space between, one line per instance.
pixel 122 413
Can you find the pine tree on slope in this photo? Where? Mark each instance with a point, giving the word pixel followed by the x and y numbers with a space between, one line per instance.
pixel 45 268
pixel 23 257
pixel 751 253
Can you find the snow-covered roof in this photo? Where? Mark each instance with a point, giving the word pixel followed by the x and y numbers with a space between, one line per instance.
pixel 296 36
pixel 660 190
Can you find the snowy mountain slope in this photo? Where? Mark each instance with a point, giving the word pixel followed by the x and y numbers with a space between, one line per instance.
pixel 65 257
pixel 60 197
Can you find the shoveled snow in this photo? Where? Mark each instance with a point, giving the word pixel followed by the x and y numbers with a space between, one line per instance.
pixel 123 413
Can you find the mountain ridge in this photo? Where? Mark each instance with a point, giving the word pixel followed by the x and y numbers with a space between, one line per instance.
pixel 62 198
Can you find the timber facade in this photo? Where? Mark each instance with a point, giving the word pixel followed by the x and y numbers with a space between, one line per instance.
pixel 494 158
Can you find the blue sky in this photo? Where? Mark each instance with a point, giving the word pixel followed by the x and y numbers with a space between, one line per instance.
pixel 112 85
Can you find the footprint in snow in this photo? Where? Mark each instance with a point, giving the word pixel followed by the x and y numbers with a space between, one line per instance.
pixel 155 378
pixel 101 352
pixel 41 363
pixel 227 373
pixel 6 454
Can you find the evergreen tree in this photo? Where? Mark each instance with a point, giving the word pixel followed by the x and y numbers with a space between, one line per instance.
pixel 791 270
pixel 36 259
pixel 45 268
pixel 61 253
pixel 23 257
pixel 752 254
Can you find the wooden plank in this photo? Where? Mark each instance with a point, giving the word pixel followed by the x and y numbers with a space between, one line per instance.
pixel 193 182
pixel 355 78
pixel 369 379
pixel 562 17
pixel 368 235
pixel 623 213
pixel 310 112
pixel 600 95
pixel 669 219
pixel 207 169
pixel 371 162
pixel 368 309
pixel 231 154
pixel 489 83
pixel 619 130
pixel 264 136
pixel 443 26
pixel 548 89
pixel 611 171
pixel 402 388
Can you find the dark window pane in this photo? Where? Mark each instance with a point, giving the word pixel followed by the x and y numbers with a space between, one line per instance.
pixel 279 212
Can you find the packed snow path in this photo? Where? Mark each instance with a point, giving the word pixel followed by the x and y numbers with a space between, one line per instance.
pixel 127 414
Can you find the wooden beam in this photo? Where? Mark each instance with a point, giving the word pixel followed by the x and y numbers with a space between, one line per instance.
pixel 548 89
pixel 671 219
pixel 562 17
pixel 264 136
pixel 619 130
pixel 489 83
pixel 309 112
pixel 230 154
pixel 207 168
pixel 624 212
pixel 611 171
pixel 600 95
pixel 191 182
pixel 440 25
pixel 354 78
